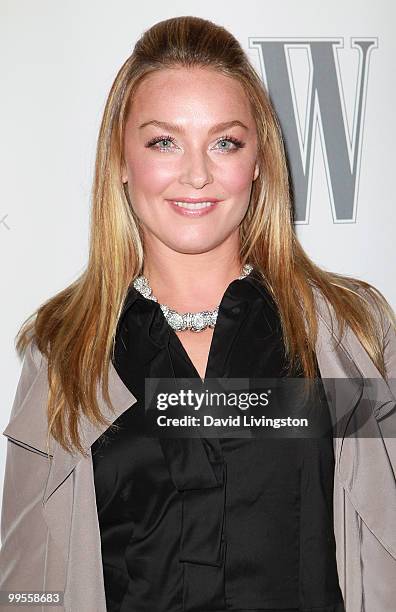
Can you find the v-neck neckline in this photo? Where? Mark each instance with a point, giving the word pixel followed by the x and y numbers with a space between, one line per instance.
pixel 243 304
pixel 180 346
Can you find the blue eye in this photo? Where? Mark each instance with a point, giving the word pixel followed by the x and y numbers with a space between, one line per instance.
pixel 222 142
pixel 160 139
pixel 238 144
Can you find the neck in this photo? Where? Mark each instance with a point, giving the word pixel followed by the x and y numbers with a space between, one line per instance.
pixel 191 282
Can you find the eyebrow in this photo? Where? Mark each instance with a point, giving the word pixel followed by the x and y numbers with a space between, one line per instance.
pixel 225 125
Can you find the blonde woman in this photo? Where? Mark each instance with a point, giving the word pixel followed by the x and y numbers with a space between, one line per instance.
pixel 191 213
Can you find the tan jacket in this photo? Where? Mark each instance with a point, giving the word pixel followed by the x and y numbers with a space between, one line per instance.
pixel 49 524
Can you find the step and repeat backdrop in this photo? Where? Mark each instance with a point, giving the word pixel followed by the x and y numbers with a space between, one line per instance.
pixel 329 70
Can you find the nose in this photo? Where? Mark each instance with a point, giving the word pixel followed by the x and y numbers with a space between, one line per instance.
pixel 195 170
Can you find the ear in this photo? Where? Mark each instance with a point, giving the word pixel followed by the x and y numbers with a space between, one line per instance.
pixel 256 171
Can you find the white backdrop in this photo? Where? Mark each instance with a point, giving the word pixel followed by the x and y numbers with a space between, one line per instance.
pixel 58 60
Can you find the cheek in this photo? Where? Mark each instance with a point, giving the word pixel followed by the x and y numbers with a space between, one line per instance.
pixel 148 176
pixel 236 179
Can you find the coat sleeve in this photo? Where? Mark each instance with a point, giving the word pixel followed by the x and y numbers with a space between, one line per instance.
pixel 24 532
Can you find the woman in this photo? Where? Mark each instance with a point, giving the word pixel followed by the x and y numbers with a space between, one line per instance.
pixel 192 214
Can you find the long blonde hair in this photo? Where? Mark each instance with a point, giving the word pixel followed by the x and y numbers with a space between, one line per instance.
pixel 75 329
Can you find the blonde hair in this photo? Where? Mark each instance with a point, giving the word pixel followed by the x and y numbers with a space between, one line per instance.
pixel 76 328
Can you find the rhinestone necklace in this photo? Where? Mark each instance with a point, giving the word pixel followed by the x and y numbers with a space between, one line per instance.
pixel 195 321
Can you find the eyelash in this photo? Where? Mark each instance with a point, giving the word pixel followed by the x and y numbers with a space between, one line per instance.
pixel 238 143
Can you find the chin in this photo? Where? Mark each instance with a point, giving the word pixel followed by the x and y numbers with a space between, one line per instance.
pixel 192 247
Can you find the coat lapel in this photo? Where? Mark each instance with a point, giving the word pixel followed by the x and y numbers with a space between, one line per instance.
pixel 348 359
pixel 63 462
pixel 31 432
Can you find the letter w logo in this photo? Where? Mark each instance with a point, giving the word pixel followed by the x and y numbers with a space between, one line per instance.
pixel 325 109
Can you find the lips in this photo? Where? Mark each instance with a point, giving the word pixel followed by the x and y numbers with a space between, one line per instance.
pixel 194 206
pixel 195 200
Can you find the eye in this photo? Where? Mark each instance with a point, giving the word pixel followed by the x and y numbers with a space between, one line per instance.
pixel 164 140
pixel 237 144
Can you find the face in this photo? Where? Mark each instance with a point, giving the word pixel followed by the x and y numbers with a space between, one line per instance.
pixel 190 138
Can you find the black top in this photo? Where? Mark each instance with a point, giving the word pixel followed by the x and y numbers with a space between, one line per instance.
pixel 212 524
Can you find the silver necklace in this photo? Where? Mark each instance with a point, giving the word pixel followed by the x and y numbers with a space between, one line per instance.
pixel 195 321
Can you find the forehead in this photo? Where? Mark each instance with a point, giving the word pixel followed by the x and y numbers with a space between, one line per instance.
pixel 188 93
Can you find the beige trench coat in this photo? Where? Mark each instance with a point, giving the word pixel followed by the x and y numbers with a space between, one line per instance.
pixel 49 523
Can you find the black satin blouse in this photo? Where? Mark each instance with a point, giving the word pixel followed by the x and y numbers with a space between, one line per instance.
pixel 204 524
